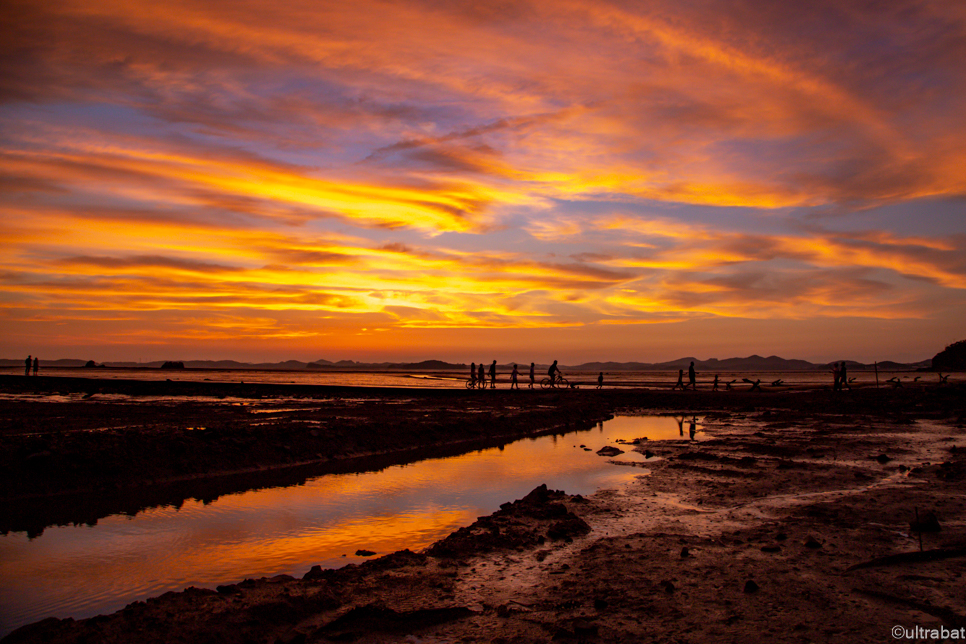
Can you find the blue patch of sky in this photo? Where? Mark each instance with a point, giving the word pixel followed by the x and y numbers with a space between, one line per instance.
pixel 928 216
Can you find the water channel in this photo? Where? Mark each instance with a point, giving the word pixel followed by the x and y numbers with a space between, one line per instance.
pixel 80 571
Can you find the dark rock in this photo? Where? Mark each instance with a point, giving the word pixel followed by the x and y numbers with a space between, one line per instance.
pixel 609 450
pixel 364 553
pixel 751 587
pixel 668 586
pixel 315 572
pixel 771 548
pixel 585 628
pixel 685 553
pixel 600 604
pixel 812 542
pixel 882 459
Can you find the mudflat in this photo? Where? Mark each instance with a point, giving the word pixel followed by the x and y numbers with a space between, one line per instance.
pixel 805 516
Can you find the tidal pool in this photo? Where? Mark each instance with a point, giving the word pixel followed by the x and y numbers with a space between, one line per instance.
pixel 80 571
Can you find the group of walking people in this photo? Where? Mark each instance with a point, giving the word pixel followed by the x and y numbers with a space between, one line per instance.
pixel 480 375
pixel 31 362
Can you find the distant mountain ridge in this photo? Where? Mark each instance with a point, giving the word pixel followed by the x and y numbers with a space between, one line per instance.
pixel 750 363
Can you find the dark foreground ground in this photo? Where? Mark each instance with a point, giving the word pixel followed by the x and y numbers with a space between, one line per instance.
pixel 792 523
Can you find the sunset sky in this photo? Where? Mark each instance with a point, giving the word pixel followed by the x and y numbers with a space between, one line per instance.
pixel 405 180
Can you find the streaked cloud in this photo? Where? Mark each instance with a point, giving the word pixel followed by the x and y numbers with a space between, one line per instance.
pixel 306 172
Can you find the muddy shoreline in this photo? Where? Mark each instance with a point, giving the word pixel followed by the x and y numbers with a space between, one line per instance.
pixel 790 493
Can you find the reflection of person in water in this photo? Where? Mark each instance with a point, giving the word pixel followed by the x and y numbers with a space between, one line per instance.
pixel 694 427
pixel 680 425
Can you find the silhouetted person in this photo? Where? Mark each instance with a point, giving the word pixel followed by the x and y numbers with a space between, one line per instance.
pixel 27 364
pixel 36 365
pixel 472 374
pixel 691 376
pixel 844 378
pixel 513 378
pixel 531 375
pixel 837 375
pixel 600 380
pixel 680 383
pixel 481 377
pixel 714 385
pixel 553 372
pixel 493 375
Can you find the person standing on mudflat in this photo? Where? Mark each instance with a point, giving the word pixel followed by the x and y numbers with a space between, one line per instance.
pixel 493 375
pixel 531 376
pixel 36 365
pixel 680 382
pixel 27 364
pixel 691 377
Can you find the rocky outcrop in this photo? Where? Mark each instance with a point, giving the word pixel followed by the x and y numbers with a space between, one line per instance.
pixel 952 358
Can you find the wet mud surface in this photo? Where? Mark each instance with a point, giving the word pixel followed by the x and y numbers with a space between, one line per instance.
pixel 794 520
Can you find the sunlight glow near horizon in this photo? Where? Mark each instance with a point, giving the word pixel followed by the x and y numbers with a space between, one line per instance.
pixel 410 180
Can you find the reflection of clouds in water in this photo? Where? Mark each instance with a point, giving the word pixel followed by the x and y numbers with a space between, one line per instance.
pixel 288 530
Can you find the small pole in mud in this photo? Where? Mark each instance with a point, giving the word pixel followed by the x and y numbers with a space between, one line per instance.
pixel 920 529
pixel 876 365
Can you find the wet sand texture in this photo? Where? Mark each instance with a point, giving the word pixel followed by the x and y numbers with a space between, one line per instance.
pixel 790 523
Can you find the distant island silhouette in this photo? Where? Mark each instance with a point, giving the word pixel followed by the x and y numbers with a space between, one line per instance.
pixel 948 359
